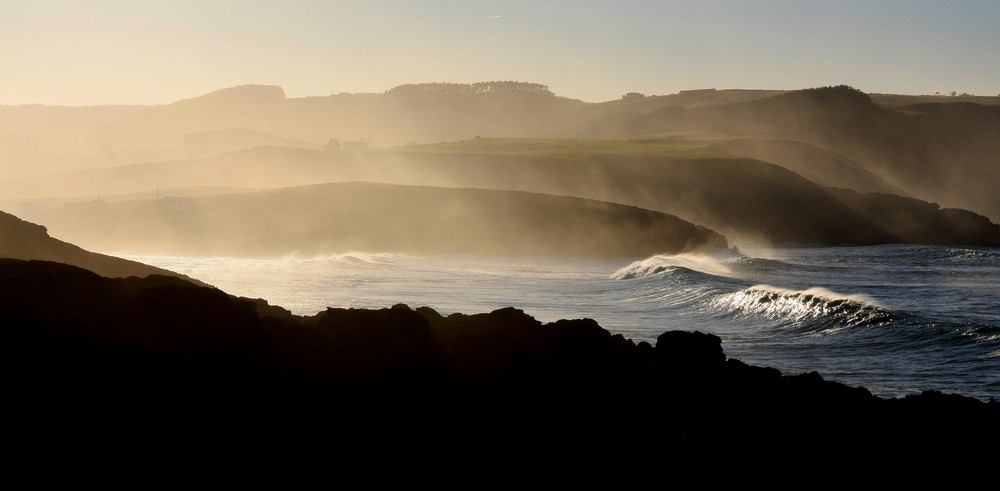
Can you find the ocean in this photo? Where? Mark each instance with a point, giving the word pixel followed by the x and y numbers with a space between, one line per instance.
pixel 895 319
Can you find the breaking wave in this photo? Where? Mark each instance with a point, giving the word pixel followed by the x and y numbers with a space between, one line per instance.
pixel 661 264
pixel 812 310
pixel 930 320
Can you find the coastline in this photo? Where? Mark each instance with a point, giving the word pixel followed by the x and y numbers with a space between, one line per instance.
pixel 196 354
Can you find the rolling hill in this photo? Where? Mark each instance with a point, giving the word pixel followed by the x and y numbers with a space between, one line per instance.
pixel 27 241
pixel 748 200
pixel 334 218
pixel 713 157
pixel 946 152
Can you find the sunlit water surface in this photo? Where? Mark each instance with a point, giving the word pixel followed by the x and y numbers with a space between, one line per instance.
pixel 894 319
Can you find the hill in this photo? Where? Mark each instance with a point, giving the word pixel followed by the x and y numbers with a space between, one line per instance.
pixel 939 151
pixel 27 241
pixel 44 139
pixel 747 200
pixel 340 217
pixel 824 167
pixel 932 153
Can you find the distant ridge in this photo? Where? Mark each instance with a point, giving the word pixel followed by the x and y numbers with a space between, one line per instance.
pixel 938 150
pixel 934 148
pixel 239 93
pixel 505 87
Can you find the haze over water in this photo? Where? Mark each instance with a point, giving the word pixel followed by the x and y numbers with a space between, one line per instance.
pixel 894 319
pixel 506 153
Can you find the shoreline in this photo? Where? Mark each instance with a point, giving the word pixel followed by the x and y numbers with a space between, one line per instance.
pixel 181 350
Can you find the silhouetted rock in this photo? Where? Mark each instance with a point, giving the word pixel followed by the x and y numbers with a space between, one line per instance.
pixel 199 357
pixel 690 351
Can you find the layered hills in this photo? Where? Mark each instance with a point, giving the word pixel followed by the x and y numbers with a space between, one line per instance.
pixel 939 151
pixel 748 200
pixel 828 166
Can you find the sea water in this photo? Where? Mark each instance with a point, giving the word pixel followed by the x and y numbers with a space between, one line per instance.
pixel 896 319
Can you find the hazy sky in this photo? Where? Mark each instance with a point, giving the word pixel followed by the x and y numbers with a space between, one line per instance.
pixel 77 52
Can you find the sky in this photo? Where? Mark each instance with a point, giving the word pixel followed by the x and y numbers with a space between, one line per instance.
pixel 97 52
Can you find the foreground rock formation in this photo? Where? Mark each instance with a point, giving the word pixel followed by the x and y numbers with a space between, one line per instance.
pixel 81 350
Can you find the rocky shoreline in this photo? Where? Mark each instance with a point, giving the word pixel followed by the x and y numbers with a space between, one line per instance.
pixel 132 352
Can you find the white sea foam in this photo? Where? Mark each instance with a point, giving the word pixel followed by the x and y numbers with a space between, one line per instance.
pixel 912 341
pixel 661 263
pixel 841 310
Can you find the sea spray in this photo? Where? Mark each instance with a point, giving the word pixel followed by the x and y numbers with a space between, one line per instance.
pixel 714 265
pixel 897 319
pixel 813 310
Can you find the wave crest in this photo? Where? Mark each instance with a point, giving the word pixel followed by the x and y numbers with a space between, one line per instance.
pixel 815 309
pixel 661 263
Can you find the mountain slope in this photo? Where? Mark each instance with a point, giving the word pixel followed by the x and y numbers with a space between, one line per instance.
pixel 942 152
pixel 745 199
pixel 27 241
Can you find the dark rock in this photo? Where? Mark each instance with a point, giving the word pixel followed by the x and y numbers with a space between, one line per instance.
pixel 198 356
pixel 696 351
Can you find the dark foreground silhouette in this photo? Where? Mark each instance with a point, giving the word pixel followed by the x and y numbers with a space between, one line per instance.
pixel 139 355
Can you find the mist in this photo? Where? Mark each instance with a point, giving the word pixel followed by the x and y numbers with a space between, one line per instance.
pixel 763 168
pixel 388 215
